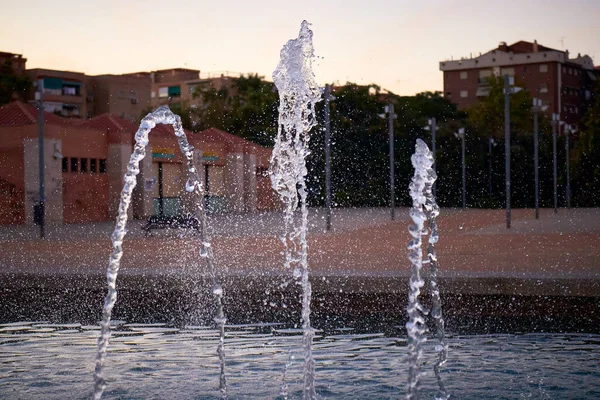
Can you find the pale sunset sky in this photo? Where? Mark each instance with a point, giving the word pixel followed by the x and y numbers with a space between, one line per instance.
pixel 395 44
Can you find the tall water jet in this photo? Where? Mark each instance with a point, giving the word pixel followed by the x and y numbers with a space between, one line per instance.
pixel 162 115
pixel 424 209
pixel 298 94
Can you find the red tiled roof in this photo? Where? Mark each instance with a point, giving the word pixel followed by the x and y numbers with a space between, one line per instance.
pixel 523 46
pixel 18 113
pixel 214 135
pixel 110 123
pixel 113 123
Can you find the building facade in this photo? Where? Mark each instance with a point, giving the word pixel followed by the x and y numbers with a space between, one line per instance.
pixel 16 61
pixel 85 161
pixel 126 96
pixel 180 87
pixel 64 92
pixel 564 84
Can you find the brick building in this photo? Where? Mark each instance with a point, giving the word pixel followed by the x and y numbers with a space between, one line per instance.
pixel 16 61
pixel 563 84
pixel 176 87
pixel 85 161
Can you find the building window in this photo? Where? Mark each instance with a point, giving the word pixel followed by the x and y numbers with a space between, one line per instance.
pixel 92 165
pixel 464 93
pixel 485 73
pixel 153 94
pixel 543 67
pixel 102 166
pixel 65 164
pixel 84 165
pixel 74 164
pixel 544 88
pixel 163 92
pixel 174 91
pixel 507 71
pixel 69 91
pixel 464 74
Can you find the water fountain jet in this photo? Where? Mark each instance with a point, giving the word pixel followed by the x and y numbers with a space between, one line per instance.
pixel 162 115
pixel 298 94
pixel 424 210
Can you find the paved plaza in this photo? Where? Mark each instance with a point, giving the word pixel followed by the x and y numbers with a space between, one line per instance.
pixel 560 250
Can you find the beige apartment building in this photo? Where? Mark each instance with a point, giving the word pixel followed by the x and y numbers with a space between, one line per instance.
pixel 127 95
pixel 64 92
pixel 176 87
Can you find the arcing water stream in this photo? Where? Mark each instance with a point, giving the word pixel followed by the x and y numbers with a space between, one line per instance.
pixel 162 115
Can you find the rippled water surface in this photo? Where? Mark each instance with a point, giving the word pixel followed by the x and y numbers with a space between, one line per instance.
pixel 153 361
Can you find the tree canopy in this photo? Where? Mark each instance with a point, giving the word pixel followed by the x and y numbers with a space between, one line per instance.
pixel 360 143
pixel 12 86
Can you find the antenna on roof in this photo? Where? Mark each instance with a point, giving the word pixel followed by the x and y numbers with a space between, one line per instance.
pixel 562 42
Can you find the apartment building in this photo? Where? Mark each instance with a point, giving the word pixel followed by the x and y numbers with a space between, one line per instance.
pixel 126 96
pixel 176 87
pixel 16 61
pixel 565 85
pixel 64 92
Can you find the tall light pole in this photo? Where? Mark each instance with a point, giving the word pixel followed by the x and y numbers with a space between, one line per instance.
pixel 389 110
pixel 508 89
pixel 41 206
pixel 461 135
pixel 326 96
pixel 568 129
pixel 507 85
pixel 537 106
pixel 555 125
pixel 491 143
pixel 431 122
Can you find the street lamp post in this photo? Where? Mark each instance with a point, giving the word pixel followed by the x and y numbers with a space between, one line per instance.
pixel 461 135
pixel 509 81
pixel 39 213
pixel 555 126
pixel 507 85
pixel 326 96
pixel 491 143
pixel 432 124
pixel 537 104
pixel 389 110
pixel 568 129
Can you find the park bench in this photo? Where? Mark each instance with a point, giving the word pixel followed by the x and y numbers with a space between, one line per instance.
pixel 171 222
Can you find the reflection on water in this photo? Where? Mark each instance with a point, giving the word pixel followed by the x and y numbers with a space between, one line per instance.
pixel 55 361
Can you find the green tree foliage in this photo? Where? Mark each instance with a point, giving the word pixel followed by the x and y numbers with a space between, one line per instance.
pixel 248 109
pixel 485 121
pixel 359 157
pixel 360 144
pixel 12 86
pixel 586 157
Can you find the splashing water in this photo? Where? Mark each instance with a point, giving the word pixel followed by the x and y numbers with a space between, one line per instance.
pixel 162 115
pixel 298 94
pixel 424 209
